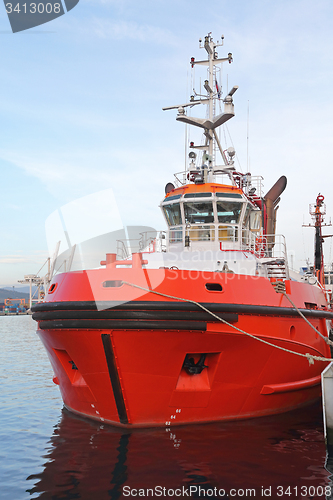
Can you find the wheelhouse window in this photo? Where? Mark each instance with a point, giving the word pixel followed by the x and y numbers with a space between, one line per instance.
pixel 198 195
pixel 255 220
pixel 173 214
pixel 174 197
pixel 198 213
pixel 229 212
pixel 229 195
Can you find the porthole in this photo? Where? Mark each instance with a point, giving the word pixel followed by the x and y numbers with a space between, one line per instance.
pixel 214 287
pixel 52 287
pixel 112 284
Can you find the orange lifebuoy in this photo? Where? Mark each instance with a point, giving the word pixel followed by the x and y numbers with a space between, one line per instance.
pixel 192 175
pixel 260 245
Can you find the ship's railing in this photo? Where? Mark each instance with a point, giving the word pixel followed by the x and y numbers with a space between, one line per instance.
pixel 175 235
pixel 253 185
pixel 227 233
pixel 203 232
pixel 248 241
pixel 268 245
pixel 328 275
pixel 271 249
pixel 124 248
pixel 272 246
pixel 183 177
pixel 157 241
pixel 149 242
pixel 180 178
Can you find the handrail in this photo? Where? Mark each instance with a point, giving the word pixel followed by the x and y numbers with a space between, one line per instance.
pixel 146 243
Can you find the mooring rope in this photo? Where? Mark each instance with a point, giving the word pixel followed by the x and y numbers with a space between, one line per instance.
pixel 310 357
pixel 326 339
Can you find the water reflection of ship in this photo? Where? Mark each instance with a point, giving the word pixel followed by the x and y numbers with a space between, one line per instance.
pixel 86 460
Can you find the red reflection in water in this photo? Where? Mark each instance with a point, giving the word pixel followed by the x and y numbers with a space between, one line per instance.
pixel 87 461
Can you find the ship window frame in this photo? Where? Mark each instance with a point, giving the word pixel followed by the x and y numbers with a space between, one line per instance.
pixel 205 219
pixel 257 215
pixel 240 213
pixel 172 198
pixel 246 218
pixel 197 195
pixel 229 195
pixel 170 222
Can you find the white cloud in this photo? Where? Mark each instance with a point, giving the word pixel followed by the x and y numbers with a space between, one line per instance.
pixel 34 258
pixel 13 259
pixel 129 30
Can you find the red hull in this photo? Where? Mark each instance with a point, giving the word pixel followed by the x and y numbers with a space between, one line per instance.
pixel 124 364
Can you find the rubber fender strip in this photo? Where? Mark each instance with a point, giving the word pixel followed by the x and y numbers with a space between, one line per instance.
pixel 95 324
pixel 114 378
pixel 181 306
pixel 133 315
pixel 291 386
pixel 63 306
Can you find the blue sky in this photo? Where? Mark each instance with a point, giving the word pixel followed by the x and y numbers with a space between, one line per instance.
pixel 81 99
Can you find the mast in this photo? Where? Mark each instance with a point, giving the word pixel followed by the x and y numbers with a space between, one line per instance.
pixel 207 168
pixel 317 211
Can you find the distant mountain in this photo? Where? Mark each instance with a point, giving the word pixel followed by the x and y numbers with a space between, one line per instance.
pixel 12 294
pixel 20 289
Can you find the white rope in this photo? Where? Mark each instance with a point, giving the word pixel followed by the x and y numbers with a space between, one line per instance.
pixel 326 339
pixel 310 357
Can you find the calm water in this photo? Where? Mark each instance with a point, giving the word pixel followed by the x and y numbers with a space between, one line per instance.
pixel 49 454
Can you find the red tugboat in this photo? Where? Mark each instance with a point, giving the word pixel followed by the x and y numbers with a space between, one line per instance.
pixel 206 322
